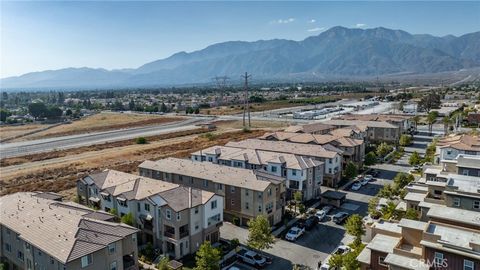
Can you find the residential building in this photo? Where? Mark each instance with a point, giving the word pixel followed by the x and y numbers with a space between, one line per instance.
pixel 473 118
pixel 449 147
pixel 403 122
pixel 176 219
pixel 247 193
pixel 301 173
pixel 313 128
pixel 377 131
pixel 353 150
pixel 40 233
pixel 331 157
pixel 422 245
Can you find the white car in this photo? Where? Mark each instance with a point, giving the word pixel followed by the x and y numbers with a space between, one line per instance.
pixel 356 186
pixel 368 177
pixel 320 214
pixel 294 233
pixel 364 181
pixel 327 209
pixel 342 250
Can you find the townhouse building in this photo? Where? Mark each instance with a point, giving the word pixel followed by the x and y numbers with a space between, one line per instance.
pixel 404 122
pixel 353 150
pixel 332 158
pixel 246 193
pixel 377 131
pixel 312 128
pixel 449 147
pixel 301 173
pixel 40 233
pixel 417 245
pixel 176 219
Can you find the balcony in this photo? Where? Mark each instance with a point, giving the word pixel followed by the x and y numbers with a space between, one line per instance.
pixel 129 263
pixel 183 234
pixel 169 234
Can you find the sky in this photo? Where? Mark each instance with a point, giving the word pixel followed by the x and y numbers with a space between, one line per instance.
pixel 38 35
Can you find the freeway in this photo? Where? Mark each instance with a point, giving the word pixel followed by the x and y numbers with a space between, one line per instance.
pixel 50 144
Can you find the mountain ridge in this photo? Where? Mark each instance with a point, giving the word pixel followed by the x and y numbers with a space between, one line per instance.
pixel 338 51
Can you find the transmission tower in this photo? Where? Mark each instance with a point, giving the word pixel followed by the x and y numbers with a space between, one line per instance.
pixel 221 83
pixel 246 106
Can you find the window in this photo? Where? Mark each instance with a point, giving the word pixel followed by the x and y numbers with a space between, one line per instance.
pixel 138 207
pixel 122 202
pixel 260 195
pixel 196 210
pixel 8 247
pixel 205 183
pixel 270 192
pixel 274 169
pixel 246 192
pixel 468 265
pixel 196 225
pixel 27 246
pixel 8 231
pixel 210 159
pixel 381 261
pixel 219 186
pixel 213 204
pixel 476 204
pixel 168 214
pixel 232 189
pixel 178 216
pixel 111 248
pixel 87 260
pixel 259 208
pixel 456 202
pixel 147 207
pixel 246 206
pixel 329 170
pixel 113 265
pixel 438 258
pixel 29 264
pixel 294 172
pixel 232 202
pixel 20 255
pixel 134 237
pixel 465 172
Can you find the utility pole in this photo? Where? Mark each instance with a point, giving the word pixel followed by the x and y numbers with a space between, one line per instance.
pixel 246 106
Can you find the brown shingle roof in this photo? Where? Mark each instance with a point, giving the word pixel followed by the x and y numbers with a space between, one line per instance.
pixel 461 142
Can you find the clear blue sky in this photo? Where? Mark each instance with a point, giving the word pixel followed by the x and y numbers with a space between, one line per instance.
pixel 38 36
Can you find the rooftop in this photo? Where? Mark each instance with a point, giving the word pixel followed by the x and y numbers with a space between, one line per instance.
pixel 232 176
pixel 415 196
pixel 460 142
pixel 412 224
pixel 285 147
pixel 405 262
pixel 455 215
pixel 468 161
pixel 310 128
pixel 58 229
pixel 464 183
pixel 383 243
pixel 360 123
pixel 320 139
pixel 459 237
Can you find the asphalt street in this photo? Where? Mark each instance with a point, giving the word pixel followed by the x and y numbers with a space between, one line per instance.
pixel 65 142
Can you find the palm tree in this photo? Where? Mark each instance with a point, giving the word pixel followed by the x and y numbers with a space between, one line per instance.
pixel 431 117
pixel 416 120
pixel 446 123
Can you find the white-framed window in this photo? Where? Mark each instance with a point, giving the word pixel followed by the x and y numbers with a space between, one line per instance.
pixel 168 214
pixel 246 205
pixel 213 204
pixel 113 265
pixel 294 172
pixel 468 265
pixel 205 183
pixel 87 260
pixel 20 255
pixel 111 248
pixel 196 210
pixel 196 225
pixel 456 202
pixel 438 259
pixel 178 216
pixel 274 169
pixel 259 208
pixel 381 261
pixel 465 172
pixel 219 186
pixel 476 204
pixel 147 207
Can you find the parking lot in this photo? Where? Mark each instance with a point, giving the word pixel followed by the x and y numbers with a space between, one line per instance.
pixel 318 243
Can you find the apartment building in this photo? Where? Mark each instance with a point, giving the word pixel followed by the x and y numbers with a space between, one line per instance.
pixel 353 150
pixel 301 173
pixel 313 128
pixel 247 193
pixel 449 147
pixel 173 218
pixel 405 123
pixel 40 233
pixel 417 245
pixel 331 157
pixel 377 131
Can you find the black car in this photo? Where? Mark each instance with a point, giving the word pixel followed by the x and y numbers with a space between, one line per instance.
pixel 311 222
pixel 340 217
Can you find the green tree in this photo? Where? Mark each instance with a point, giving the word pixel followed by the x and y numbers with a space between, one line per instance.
pixel 411 214
pixel 163 108
pixel 446 123
pixel 113 211
pixel 260 233
pixel 405 140
pixel 416 120
pixel 429 101
pixel 127 219
pixel 336 261
pixel 354 226
pixel 4 114
pixel 372 206
pixel 383 149
pixel 37 109
pixel 386 191
pixel 351 170
pixel 297 197
pixel 431 118
pixel 53 112
pixel 414 159
pixel 402 179
pixel 389 211
pixel 370 158
pixel 207 257
pixel 163 264
pixel 350 261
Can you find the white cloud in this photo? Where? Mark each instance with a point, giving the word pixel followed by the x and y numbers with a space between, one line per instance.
pixel 283 21
pixel 316 29
pixel 360 25
pixel 312 21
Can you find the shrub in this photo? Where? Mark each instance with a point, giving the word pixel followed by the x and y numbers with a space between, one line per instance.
pixel 141 140
pixel 370 158
pixel 405 140
pixel 209 136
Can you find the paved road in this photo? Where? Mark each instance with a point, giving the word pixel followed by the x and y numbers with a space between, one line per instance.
pixel 50 144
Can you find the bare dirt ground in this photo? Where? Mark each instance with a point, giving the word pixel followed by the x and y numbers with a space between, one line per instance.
pixel 13 131
pixel 59 174
pixel 103 122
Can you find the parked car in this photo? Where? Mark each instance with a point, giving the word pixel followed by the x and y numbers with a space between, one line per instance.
pixel 311 222
pixel 368 177
pixel 294 233
pixel 327 208
pixel 342 250
pixel 340 217
pixel 356 186
pixel 251 257
pixel 375 173
pixel 320 214
pixel 364 181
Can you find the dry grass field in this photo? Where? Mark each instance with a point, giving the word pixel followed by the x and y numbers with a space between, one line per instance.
pixel 103 122
pixel 13 131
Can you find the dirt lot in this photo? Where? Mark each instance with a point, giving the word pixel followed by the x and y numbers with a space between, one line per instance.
pixel 60 174
pixel 103 122
pixel 13 131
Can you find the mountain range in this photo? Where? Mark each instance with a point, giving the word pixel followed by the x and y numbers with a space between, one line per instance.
pixel 337 52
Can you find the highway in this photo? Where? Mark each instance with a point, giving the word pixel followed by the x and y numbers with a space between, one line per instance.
pixel 50 144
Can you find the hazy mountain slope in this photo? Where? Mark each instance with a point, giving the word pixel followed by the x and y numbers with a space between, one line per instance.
pixel 338 51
